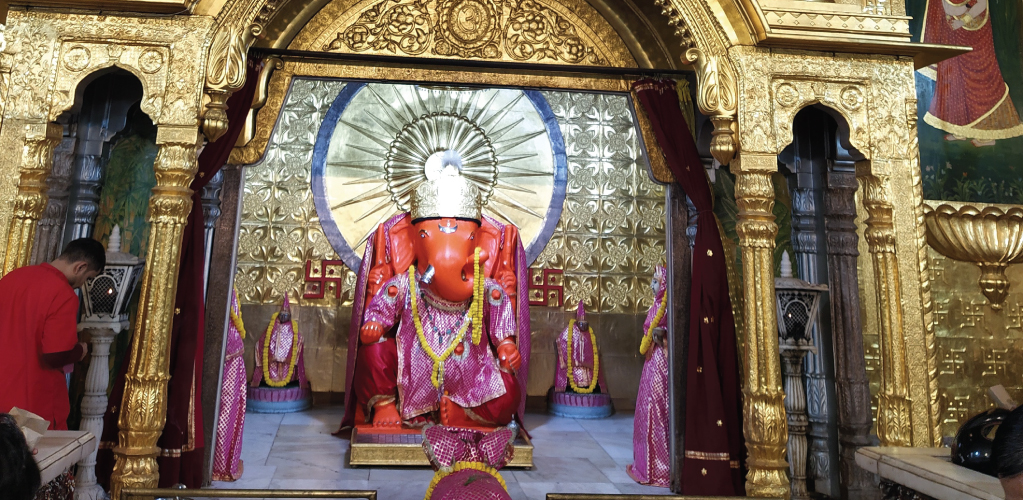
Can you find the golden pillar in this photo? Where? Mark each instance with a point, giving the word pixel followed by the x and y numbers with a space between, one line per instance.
pixel 144 407
pixel 894 411
pixel 36 163
pixel 764 416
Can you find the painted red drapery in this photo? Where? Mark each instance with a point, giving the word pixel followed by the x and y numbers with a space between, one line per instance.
pixel 712 462
pixel 181 444
pixel 971 97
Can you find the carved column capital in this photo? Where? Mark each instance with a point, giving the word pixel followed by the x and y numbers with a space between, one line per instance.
pixel 894 409
pixel 764 416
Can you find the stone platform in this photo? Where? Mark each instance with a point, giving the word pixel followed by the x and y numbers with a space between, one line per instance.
pixel 404 447
pixel 926 473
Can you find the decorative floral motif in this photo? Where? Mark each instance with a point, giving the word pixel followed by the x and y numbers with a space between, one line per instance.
pixel 530 31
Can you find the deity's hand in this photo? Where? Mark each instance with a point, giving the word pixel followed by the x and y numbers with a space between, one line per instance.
pixel 508 282
pixel 376 278
pixel 371 332
pixel 508 355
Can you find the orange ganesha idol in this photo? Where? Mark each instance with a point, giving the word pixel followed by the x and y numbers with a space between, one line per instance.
pixel 437 333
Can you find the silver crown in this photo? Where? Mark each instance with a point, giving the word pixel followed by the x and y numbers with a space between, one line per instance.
pixel 446 192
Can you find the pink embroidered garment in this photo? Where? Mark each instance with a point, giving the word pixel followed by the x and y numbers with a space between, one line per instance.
pixel 470 379
pixel 650 423
pixel 227 458
pixel 282 338
pixel 360 377
pixel 448 446
pixel 582 357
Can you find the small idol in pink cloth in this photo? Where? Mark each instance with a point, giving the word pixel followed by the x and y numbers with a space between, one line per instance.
pixel 580 389
pixel 467 462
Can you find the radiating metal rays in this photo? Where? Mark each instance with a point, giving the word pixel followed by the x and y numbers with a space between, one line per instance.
pixel 375 146
pixel 415 123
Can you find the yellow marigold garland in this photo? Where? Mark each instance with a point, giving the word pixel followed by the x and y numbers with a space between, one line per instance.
pixel 236 320
pixel 480 466
pixel 568 354
pixel 475 316
pixel 293 360
pixel 645 344
pixel 478 295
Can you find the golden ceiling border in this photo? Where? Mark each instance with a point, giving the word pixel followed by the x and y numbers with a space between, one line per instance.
pixel 328 31
pixel 281 80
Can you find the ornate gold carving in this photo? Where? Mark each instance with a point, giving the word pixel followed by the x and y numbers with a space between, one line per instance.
pixel 676 20
pixel 477 29
pixel 144 407
pixel 543 31
pixel 36 163
pixel 225 73
pixel 989 236
pixel 716 97
pixel 894 411
pixel 841 22
pixel 927 303
pixel 57 51
pixel 240 23
pixel 764 416
pixel 794 94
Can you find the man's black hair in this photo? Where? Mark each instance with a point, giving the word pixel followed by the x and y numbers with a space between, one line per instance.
pixel 19 475
pixel 1006 448
pixel 88 250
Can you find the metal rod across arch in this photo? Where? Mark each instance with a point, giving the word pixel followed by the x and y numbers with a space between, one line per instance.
pixel 436 62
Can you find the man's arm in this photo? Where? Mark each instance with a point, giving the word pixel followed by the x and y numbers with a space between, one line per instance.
pixel 58 360
pixel 59 343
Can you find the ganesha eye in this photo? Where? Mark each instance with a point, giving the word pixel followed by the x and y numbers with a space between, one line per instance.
pixel 472 236
pixel 423 234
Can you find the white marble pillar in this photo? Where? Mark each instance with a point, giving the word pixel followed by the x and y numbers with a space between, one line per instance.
pixel 93 406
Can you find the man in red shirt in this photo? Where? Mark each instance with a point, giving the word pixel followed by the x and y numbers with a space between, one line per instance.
pixel 39 330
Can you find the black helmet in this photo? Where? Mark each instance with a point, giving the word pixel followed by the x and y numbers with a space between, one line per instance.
pixel 972 447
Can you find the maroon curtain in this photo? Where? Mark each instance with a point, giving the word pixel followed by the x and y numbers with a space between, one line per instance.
pixel 181 444
pixel 713 439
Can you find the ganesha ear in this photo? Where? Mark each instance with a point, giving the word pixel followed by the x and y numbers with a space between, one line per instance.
pixel 496 447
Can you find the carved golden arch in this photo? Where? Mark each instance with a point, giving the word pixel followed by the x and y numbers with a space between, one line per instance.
pixel 706 30
pixel 78 62
pixel 845 100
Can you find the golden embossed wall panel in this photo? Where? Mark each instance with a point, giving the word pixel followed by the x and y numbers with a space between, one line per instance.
pixel 978 346
pixel 610 237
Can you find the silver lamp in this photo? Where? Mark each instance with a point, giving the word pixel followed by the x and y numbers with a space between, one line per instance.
pixel 796 303
pixel 105 313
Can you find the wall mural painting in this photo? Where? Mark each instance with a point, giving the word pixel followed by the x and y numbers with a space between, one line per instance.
pixel 969 107
pixel 128 182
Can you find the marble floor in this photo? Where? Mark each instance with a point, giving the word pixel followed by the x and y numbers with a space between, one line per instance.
pixel 297 451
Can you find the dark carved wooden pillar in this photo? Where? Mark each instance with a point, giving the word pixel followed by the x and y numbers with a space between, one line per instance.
pixel 218 300
pixel 851 375
pixel 677 247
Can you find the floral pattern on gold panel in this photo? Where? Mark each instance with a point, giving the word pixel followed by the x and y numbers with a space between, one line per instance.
pixel 279 229
pixel 612 232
